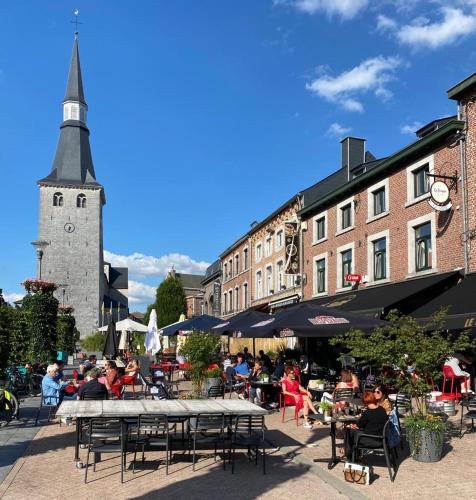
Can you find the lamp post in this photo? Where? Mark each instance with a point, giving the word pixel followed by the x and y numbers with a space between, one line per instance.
pixel 39 245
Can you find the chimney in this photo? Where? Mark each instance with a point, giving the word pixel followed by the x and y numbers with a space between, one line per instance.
pixel 353 152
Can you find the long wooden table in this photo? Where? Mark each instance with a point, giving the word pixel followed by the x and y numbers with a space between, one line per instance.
pixel 134 408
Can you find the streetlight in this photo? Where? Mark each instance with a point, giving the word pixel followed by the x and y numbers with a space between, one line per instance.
pixel 39 245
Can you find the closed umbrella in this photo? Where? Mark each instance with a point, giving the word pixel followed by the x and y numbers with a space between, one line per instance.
pixel 152 338
pixel 110 346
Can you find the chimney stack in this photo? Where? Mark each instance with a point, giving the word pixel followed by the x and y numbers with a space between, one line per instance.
pixel 353 152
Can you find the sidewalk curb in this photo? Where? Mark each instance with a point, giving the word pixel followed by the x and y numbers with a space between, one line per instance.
pixel 337 484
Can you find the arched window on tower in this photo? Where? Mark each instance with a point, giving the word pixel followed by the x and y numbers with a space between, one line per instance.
pixel 58 200
pixel 81 201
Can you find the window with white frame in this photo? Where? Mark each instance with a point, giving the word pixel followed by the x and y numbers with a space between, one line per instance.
pixel 320 274
pixel 345 264
pixel 230 300
pixel 291 280
pixel 377 200
pixel 245 295
pixel 345 215
pixel 237 264
pixel 418 180
pixel 259 284
pixel 378 257
pixel 319 228
pixel 279 242
pixel 268 246
pixel 269 280
pixel 230 268
pixel 279 275
pixel 422 244
pixel 245 259
pixel 225 303
pixel 237 299
pixel 225 271
pixel 259 252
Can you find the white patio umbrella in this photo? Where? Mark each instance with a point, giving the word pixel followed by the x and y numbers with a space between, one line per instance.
pixel 127 324
pixel 152 338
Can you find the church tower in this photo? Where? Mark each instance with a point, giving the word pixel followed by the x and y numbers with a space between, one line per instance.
pixel 71 202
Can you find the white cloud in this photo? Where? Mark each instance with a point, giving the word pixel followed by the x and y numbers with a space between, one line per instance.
pixel 140 293
pixel 454 25
pixel 385 23
pixel 371 75
pixel 12 297
pixel 410 128
pixel 346 9
pixel 148 265
pixel 337 130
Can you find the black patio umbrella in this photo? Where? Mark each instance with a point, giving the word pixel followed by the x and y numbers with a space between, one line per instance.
pixel 244 319
pixel 309 320
pixel 203 323
pixel 110 346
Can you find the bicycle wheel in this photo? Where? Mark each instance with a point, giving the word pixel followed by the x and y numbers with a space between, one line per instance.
pixel 5 411
pixel 15 406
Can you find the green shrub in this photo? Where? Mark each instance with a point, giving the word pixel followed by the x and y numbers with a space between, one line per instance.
pixel 93 342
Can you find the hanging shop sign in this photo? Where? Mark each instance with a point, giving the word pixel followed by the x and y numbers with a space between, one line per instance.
pixel 291 235
pixel 355 278
pixel 440 196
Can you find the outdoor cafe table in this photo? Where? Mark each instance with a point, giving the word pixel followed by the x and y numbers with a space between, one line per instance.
pixel 134 408
pixel 344 419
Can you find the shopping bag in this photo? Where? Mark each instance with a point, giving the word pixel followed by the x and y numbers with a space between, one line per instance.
pixel 356 473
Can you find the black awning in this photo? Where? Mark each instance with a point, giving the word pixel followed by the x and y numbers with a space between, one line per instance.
pixel 406 296
pixel 461 303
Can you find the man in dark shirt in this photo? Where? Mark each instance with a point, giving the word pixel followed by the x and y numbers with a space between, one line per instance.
pixel 93 389
pixel 230 374
pixel 266 360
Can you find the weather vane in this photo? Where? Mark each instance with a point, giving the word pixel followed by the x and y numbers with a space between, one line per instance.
pixel 76 22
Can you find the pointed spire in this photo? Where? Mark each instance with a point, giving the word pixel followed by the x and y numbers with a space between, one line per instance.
pixel 74 89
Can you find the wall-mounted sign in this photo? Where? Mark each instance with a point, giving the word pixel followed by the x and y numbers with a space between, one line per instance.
pixel 291 237
pixel 440 196
pixel 355 278
pixel 216 298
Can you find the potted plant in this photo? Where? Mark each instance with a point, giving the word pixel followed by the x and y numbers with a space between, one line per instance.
pixel 200 350
pixel 326 408
pixel 416 352
pixel 212 378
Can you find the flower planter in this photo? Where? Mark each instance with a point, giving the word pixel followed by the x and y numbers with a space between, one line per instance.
pixel 428 446
pixel 327 416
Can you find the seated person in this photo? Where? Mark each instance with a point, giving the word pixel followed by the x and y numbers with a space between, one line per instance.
pixel 242 368
pixel 265 360
pixel 278 373
pixel 231 376
pixel 255 394
pixel 372 421
pixel 87 365
pixel 59 374
pixel 381 395
pixel 355 382
pixel 53 392
pixel 346 382
pixel 246 355
pixel 454 364
pixel 93 389
pixel 112 376
pixel 294 393
pixel 226 361
pixel 132 369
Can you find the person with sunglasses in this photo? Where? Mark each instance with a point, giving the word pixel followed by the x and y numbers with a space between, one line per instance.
pixel 381 396
pixel 293 392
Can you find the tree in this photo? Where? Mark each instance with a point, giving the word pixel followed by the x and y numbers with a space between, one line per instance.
pixel 170 301
pixel 66 332
pixel 41 311
pixel 200 350
pixel 19 338
pixel 5 326
pixel 147 313
pixel 405 343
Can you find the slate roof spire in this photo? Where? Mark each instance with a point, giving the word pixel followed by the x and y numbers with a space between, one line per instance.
pixel 74 88
pixel 73 163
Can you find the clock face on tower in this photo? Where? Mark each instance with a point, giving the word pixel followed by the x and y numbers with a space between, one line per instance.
pixel 69 227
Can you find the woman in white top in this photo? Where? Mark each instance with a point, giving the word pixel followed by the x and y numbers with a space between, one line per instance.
pixel 453 363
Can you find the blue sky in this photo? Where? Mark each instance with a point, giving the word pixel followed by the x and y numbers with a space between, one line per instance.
pixel 206 116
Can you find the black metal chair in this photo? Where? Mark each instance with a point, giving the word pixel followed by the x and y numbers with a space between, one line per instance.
pixel 231 386
pixel 216 391
pixel 248 433
pixel 402 405
pixel 153 431
pixel 371 442
pixel 208 428
pixel 470 405
pixel 50 402
pixel 106 436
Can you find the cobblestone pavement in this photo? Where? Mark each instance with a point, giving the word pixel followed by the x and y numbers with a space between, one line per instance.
pixel 47 471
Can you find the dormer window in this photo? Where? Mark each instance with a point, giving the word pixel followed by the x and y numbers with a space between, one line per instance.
pixel 58 200
pixel 81 201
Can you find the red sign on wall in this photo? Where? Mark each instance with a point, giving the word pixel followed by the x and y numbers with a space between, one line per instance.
pixel 356 278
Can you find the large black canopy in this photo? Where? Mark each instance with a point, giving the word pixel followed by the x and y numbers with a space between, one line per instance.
pixel 203 323
pixel 241 320
pixel 309 320
pixel 110 346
